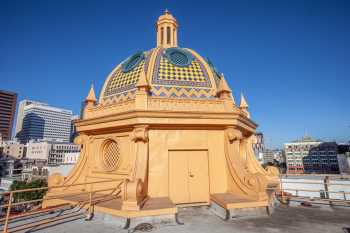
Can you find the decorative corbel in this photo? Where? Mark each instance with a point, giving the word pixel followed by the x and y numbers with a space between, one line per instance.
pixel 140 133
pixel 81 139
pixel 233 134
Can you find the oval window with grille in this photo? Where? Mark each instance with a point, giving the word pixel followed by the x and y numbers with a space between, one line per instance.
pixel 178 57
pixel 111 155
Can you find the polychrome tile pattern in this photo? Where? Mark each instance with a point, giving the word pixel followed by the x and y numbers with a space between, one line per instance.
pixel 128 95
pixel 166 73
pixel 180 82
pixel 183 92
pixel 121 82
pixel 168 80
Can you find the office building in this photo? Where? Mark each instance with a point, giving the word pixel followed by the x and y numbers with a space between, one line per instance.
pixel 344 158
pixel 71 157
pixel 13 149
pixel 39 121
pixel 34 169
pixel 8 101
pixel 258 146
pixel 278 156
pixel 311 156
pixel 268 156
pixel 20 114
pixel 58 152
pixel 38 150
pixel 53 153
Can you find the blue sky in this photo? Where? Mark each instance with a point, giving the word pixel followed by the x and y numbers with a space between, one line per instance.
pixel 291 59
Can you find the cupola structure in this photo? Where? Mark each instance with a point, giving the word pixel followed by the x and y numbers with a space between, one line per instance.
pixel 165 132
pixel 166 30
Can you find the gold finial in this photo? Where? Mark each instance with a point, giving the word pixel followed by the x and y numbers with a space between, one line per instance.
pixel 166 11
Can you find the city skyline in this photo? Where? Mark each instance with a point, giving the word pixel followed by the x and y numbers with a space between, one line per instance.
pixel 292 71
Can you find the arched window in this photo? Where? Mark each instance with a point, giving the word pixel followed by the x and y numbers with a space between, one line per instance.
pixel 168 35
pixel 161 35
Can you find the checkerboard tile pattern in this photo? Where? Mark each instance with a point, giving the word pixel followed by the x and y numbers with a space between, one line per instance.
pixel 168 80
pixel 166 73
pixel 121 81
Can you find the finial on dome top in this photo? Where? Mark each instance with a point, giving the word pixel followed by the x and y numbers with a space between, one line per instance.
pixel 91 97
pixel 166 30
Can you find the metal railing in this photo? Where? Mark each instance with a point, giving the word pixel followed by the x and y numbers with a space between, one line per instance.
pixel 91 201
pixel 324 194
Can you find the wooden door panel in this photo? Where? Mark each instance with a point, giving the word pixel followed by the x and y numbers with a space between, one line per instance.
pixel 178 177
pixel 198 176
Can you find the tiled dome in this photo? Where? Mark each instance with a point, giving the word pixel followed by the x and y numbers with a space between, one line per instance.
pixel 171 72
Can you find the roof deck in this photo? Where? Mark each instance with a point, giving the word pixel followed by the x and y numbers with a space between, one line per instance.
pixel 201 219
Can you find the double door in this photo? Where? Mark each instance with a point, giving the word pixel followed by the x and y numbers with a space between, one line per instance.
pixel 188 176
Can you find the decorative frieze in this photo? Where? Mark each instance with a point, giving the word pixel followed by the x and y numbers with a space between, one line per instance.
pixel 186 105
pixel 110 109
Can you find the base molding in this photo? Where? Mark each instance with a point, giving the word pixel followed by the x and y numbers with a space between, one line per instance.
pixel 230 206
pixel 127 223
pixel 239 213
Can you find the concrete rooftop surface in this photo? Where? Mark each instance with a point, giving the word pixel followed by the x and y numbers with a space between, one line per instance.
pixel 201 219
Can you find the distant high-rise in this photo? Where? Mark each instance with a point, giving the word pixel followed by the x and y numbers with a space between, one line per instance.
pixel 20 114
pixel 41 121
pixel 8 101
pixel 268 156
pixel 259 146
